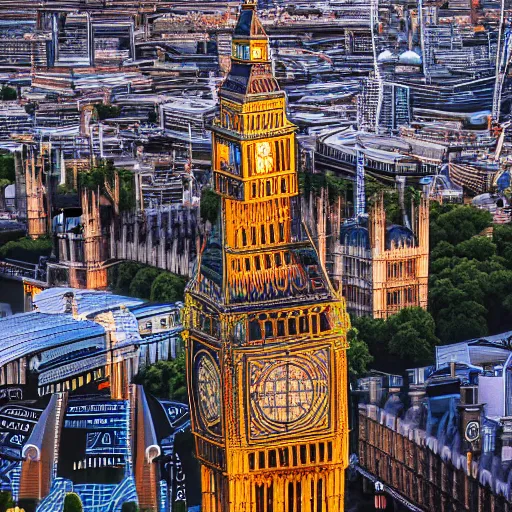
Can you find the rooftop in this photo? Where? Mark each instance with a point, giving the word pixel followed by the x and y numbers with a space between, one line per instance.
pixel 29 333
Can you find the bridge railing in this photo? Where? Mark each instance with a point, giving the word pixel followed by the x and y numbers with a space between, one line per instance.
pixel 17 269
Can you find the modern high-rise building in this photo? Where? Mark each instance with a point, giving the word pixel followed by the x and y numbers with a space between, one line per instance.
pixel 266 332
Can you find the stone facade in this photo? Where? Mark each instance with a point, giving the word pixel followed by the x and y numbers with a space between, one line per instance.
pixel 427 477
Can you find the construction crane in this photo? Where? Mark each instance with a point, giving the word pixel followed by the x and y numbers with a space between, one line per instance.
pixel 502 60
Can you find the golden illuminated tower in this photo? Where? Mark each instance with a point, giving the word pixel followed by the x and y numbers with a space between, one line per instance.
pixel 265 331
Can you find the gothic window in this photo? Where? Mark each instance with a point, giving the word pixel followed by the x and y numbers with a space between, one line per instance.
pixel 272 240
pixel 269 331
pixel 314 324
pixel 292 326
pixel 254 331
pixel 283 457
pixel 324 322
pixel 303 324
pixel 242 51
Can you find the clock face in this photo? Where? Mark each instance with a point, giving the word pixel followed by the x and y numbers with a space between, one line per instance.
pixel 264 158
pixel 289 394
pixel 208 389
pixel 285 393
pixel 256 53
pixel 472 431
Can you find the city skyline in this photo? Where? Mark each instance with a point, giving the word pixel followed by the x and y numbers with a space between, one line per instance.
pixel 255 255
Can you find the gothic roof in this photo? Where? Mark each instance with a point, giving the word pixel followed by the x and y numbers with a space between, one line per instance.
pixel 399 236
pixel 250 78
pixel 355 235
pixel 249 25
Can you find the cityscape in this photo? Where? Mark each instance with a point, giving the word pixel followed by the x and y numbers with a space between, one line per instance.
pixel 255 256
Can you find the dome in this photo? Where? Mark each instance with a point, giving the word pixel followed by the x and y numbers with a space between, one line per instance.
pixel 399 236
pixel 410 58
pixel 386 56
pixel 354 235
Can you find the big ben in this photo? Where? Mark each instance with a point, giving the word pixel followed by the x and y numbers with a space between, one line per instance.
pixel 265 331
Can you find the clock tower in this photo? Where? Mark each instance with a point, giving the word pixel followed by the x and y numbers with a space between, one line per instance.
pixel 265 330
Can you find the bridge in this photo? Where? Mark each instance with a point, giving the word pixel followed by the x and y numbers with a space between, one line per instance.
pixel 20 270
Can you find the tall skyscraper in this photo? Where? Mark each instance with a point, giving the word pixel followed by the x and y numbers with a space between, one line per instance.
pixel 266 332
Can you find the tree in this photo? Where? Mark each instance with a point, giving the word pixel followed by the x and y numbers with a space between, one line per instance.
pixel 107 111
pixel 479 248
pixel 125 275
pixel 443 249
pixel 102 178
pixel 374 332
pixel 72 503
pixel 471 280
pixel 454 224
pixel 210 205
pixel 165 379
pixel 130 506
pixel 359 356
pixel 8 93
pixel 26 249
pixel 502 237
pixel 6 501
pixel 7 176
pixel 409 336
pixel 168 287
pixel 143 281
pixel 412 336
pixel 126 190
pixel 462 321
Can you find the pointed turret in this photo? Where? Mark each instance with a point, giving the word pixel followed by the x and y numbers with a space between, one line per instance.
pixel 251 69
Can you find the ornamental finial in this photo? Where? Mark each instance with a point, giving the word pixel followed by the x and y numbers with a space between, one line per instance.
pixel 250 4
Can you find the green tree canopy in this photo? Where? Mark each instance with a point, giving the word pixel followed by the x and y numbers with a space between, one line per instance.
pixel 210 205
pixel 469 285
pixel 8 93
pixel 502 237
pixel 404 340
pixel 479 248
pixel 412 336
pixel 6 501
pixel 107 111
pixel 455 223
pixel 26 249
pixel 7 176
pixel 72 503
pixel 359 356
pixel 130 506
pixel 103 177
pixel 124 275
pixel 143 281
pixel 168 287
pixel 165 379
